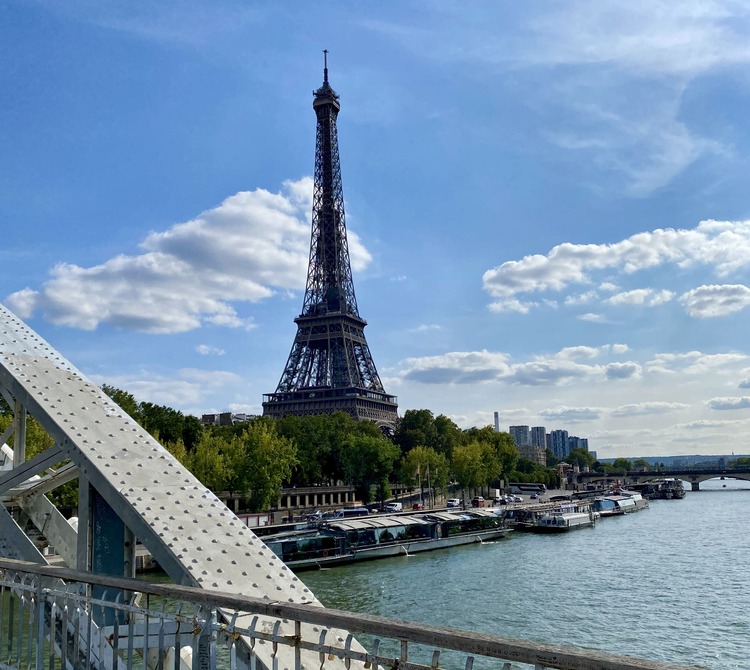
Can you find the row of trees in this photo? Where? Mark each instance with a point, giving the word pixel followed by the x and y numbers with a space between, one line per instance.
pixel 254 459
pixel 583 458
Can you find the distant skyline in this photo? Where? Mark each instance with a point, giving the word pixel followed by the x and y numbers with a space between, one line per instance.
pixel 547 204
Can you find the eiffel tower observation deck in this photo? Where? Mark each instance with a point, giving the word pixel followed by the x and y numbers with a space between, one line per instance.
pixel 330 367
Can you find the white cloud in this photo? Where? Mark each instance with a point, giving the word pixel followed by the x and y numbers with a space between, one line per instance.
pixel 254 244
pixel 592 318
pixel 572 353
pixel 641 296
pixel 208 350
pixel 484 366
pixel 620 348
pixel 695 363
pixel 642 408
pixel 729 403
pixel 567 415
pixel 617 54
pixel 721 246
pixel 591 65
pixel 188 388
pixel 552 371
pixel 648 146
pixel 644 37
pixel 501 306
pixel 714 301
pixel 623 370
pixel 459 367
pixel 704 424
pixel 582 298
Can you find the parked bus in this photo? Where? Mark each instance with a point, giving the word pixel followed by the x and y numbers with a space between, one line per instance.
pixel 523 488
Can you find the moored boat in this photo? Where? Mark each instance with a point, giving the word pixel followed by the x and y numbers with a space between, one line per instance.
pixel 669 488
pixel 526 518
pixel 663 488
pixel 563 519
pixel 361 539
pixel 623 502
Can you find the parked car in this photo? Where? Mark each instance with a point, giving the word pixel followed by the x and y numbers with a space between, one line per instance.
pixel 394 507
pixel 453 502
pixel 478 501
pixel 417 506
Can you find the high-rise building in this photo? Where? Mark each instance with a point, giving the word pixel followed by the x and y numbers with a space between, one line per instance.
pixel 497 422
pixel 539 437
pixel 330 367
pixel 534 454
pixel 575 442
pixel 559 443
pixel 521 435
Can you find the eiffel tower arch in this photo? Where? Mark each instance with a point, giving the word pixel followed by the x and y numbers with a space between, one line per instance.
pixel 330 367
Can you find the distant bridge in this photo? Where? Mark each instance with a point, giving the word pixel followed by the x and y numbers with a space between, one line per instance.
pixel 693 475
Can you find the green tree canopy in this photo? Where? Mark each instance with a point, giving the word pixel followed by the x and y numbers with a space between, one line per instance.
pixel 319 439
pixel 468 466
pixel 206 462
pixel 501 455
pixel 268 463
pixel 420 462
pixel 640 464
pixel 368 461
pixel 581 458
pixel 447 436
pixel 622 464
pixel 416 428
pixel 165 424
pixel 125 400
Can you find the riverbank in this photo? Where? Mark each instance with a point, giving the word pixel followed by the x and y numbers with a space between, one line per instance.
pixel 632 585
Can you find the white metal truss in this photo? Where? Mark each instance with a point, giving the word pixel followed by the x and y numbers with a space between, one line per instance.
pixel 130 488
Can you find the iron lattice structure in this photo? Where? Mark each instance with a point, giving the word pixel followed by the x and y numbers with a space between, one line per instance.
pixel 330 367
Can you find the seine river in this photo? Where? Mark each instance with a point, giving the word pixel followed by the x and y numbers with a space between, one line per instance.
pixel 671 583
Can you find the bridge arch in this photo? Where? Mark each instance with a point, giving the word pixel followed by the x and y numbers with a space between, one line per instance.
pixel 693 476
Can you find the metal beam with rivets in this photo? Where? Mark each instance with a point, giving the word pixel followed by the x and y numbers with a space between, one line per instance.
pixel 194 537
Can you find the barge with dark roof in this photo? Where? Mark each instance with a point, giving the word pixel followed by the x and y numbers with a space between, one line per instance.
pixel 347 541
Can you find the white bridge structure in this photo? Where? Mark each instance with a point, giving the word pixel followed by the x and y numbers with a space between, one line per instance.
pixel 238 605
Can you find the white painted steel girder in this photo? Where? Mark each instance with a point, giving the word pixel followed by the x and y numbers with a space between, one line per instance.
pixel 196 539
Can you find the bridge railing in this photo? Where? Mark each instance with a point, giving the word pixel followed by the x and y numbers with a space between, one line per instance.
pixel 59 618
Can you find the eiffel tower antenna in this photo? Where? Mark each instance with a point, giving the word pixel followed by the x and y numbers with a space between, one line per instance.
pixel 330 367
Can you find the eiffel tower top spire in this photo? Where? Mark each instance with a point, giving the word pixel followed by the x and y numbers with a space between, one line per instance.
pixel 329 287
pixel 325 94
pixel 330 367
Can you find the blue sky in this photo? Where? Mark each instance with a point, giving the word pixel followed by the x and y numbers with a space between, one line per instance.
pixel 548 203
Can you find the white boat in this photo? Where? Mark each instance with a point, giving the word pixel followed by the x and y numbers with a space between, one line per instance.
pixel 366 538
pixel 563 519
pixel 623 502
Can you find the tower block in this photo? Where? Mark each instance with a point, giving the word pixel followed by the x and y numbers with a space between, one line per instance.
pixel 330 367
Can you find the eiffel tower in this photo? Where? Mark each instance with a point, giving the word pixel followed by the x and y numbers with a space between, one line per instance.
pixel 330 367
